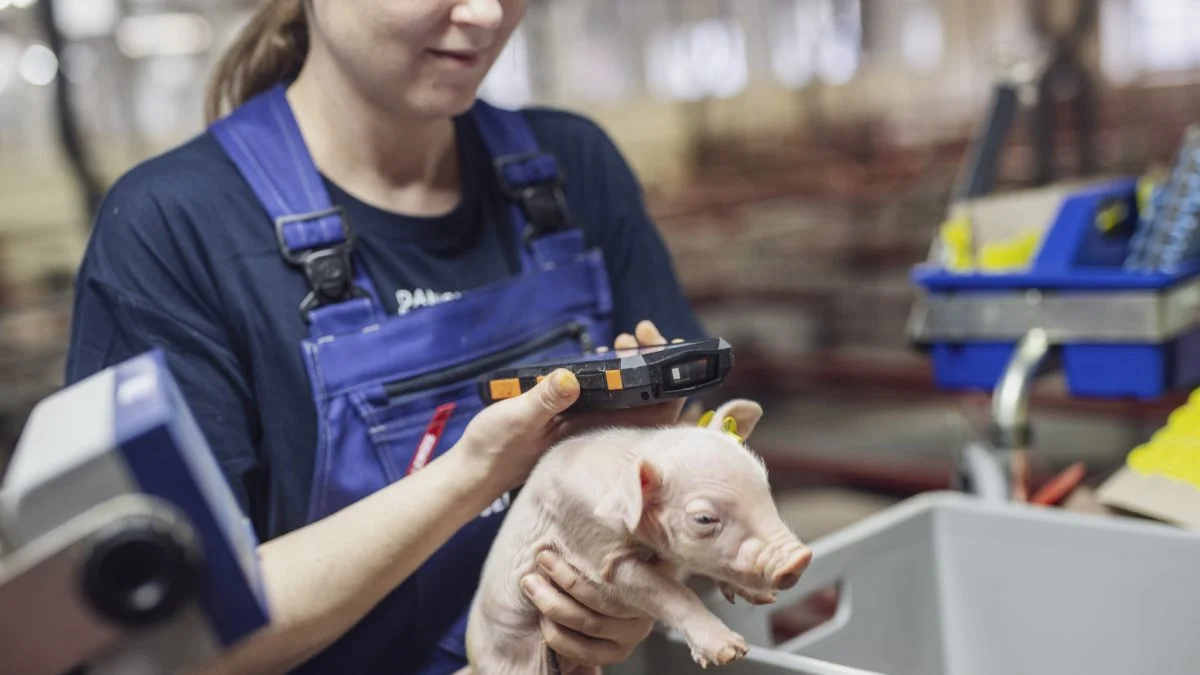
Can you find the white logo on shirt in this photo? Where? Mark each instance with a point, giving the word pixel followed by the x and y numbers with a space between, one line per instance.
pixel 407 300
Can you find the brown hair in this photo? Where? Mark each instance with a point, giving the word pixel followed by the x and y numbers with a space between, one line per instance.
pixel 270 48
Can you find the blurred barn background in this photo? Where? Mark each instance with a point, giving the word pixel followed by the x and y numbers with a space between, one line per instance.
pixel 798 156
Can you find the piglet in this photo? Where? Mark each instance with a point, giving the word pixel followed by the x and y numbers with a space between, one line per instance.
pixel 637 511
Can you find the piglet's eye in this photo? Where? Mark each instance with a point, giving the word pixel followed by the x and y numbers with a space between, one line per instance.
pixel 705 519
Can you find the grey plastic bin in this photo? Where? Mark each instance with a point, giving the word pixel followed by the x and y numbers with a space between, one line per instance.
pixel 947 584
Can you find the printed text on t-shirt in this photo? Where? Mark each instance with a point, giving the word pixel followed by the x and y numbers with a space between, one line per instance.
pixel 407 300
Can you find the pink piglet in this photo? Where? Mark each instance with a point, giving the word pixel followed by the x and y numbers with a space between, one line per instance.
pixel 637 511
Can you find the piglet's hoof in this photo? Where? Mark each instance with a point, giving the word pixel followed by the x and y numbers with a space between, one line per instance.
pixel 764 599
pixel 753 597
pixel 723 648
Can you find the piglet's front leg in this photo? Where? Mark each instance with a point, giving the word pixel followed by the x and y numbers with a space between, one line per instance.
pixel 712 642
pixel 730 592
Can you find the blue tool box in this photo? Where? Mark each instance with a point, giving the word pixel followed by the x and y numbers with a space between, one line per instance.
pixel 1118 332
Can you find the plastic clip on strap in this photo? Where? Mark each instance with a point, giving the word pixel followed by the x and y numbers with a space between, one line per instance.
pixel 309 242
pixel 534 181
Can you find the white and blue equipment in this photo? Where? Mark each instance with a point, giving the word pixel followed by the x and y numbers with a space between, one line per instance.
pixel 1111 299
pixel 122 548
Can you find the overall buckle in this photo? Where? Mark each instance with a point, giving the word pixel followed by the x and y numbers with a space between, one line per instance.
pixel 328 269
pixel 544 201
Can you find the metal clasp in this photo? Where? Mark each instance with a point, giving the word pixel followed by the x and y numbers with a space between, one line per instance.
pixel 328 269
pixel 544 202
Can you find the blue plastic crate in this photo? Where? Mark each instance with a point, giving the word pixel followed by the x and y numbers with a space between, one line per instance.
pixel 1075 256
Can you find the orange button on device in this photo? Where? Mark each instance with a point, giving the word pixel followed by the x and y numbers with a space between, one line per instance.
pixel 613 379
pixel 505 388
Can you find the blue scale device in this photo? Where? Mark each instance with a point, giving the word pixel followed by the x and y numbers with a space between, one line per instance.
pixel 122 548
pixel 1119 302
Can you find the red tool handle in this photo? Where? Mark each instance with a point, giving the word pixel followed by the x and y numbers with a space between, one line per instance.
pixel 429 439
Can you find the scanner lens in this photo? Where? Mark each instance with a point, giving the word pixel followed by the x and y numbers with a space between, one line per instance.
pixel 687 373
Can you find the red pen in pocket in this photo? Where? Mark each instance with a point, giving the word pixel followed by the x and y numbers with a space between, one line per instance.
pixel 429 439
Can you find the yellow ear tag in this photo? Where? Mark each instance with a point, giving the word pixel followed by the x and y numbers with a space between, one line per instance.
pixel 729 426
pixel 706 418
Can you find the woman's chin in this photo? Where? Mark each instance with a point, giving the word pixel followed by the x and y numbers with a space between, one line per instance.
pixel 442 101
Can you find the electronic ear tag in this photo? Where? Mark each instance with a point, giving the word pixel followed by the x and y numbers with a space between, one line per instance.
pixel 729 426
pixel 624 378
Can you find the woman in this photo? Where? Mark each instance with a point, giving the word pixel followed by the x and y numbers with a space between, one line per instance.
pixel 329 267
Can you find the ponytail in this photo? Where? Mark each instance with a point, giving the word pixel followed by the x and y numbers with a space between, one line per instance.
pixel 270 49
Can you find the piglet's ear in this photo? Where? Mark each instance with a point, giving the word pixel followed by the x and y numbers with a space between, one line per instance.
pixel 744 412
pixel 626 501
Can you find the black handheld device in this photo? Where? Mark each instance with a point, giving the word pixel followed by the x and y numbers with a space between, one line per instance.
pixel 624 378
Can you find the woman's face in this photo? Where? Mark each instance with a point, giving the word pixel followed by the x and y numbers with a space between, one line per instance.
pixel 424 57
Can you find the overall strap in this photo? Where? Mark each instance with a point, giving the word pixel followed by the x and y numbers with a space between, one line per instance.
pixel 531 179
pixel 263 140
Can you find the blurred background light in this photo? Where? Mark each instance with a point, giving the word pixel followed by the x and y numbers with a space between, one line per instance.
pixel 840 28
pixel 690 62
pixel 815 38
pixel 10 54
pixel 81 19
pixel 837 61
pixel 79 62
pixel 509 82
pixel 793 38
pixel 38 65
pixel 16 4
pixel 163 35
pixel 921 40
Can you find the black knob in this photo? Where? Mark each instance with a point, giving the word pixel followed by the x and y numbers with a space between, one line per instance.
pixel 140 571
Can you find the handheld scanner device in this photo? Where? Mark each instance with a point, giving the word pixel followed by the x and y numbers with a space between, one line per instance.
pixel 624 378
pixel 117 524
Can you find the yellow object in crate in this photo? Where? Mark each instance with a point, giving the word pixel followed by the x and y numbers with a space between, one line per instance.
pixel 1110 216
pixel 996 256
pixel 1174 450
pixel 1145 190
pixel 956 240
pixel 1010 254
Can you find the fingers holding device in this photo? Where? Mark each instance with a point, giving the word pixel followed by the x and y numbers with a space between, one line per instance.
pixel 630 376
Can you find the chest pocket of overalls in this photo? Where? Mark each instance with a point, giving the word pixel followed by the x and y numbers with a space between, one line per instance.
pixel 411 421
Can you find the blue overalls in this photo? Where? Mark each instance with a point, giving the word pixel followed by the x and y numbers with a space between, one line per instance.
pixel 384 386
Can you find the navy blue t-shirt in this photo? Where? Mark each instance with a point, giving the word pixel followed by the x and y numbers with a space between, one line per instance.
pixel 183 258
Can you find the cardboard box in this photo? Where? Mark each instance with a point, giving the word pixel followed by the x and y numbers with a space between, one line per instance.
pixel 1153 496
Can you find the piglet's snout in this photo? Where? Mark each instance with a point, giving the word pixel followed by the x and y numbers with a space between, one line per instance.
pixel 788 573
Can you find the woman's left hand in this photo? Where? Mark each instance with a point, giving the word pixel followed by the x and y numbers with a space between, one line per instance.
pixel 579 623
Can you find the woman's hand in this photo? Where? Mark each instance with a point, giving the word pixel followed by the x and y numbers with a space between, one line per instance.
pixel 504 440
pixel 579 623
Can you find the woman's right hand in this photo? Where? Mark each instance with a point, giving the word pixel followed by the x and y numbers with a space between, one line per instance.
pixel 504 441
